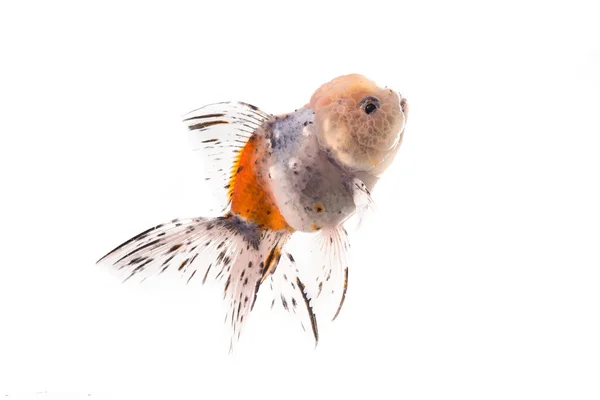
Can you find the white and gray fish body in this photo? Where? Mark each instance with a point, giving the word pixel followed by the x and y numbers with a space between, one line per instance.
pixel 313 192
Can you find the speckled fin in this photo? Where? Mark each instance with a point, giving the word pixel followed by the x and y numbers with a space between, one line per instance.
pixel 225 249
pixel 328 288
pixel 289 293
pixel 219 131
pixel 316 284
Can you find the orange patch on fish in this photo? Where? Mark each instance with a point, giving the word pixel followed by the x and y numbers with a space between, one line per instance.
pixel 318 208
pixel 250 196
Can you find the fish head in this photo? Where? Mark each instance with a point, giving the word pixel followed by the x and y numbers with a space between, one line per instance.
pixel 358 123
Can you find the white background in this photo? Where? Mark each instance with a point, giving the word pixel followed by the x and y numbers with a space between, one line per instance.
pixel 479 278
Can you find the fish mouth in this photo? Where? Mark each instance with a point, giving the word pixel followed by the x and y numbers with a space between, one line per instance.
pixel 403 103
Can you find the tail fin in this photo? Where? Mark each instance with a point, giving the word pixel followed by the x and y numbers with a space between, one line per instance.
pixel 227 249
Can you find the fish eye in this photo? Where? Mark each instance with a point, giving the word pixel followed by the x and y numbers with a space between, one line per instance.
pixel 369 104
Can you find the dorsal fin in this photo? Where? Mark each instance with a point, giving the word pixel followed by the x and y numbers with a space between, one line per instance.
pixel 220 131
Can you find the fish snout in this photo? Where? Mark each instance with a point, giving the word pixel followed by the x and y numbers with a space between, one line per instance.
pixel 403 103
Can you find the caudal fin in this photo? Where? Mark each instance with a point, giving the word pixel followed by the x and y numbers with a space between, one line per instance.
pixel 227 249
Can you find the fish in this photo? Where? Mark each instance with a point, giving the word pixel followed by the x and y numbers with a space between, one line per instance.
pixel 306 171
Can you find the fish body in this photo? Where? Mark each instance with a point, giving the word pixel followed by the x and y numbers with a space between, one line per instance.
pixel 308 171
pixel 307 190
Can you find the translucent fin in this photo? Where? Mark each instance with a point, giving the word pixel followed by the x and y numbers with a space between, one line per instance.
pixel 173 247
pixel 245 278
pixel 331 282
pixel 219 131
pixel 226 249
pixel 289 293
pixel 318 286
pixel 362 199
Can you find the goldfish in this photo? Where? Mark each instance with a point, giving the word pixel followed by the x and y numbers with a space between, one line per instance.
pixel 274 175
